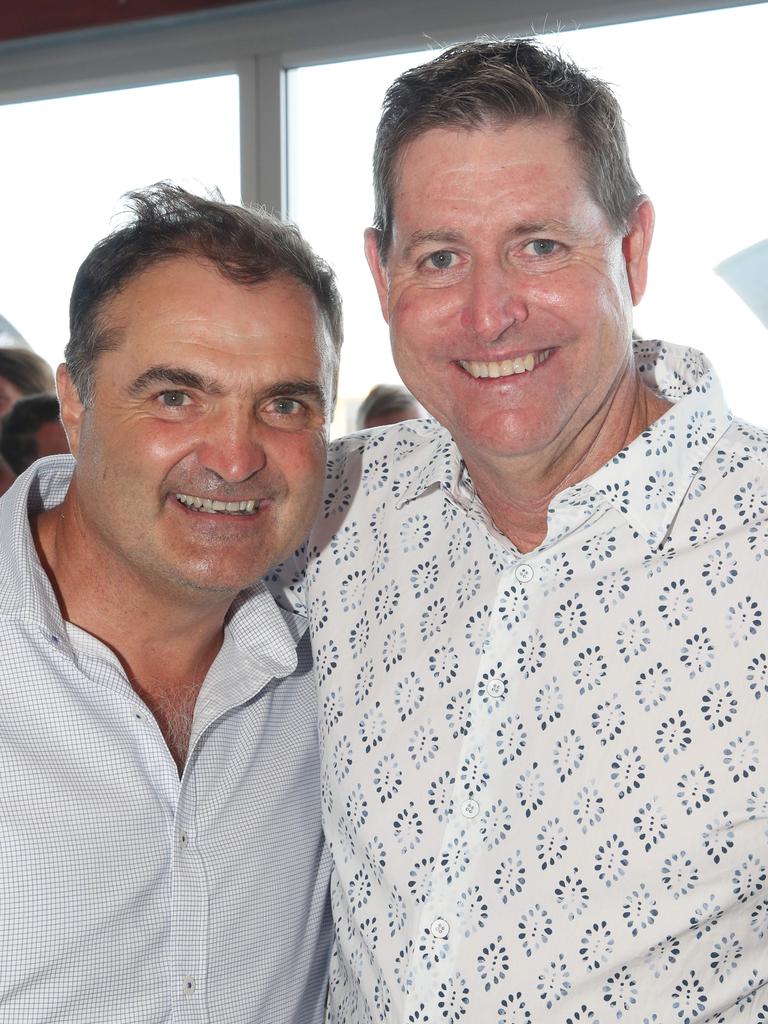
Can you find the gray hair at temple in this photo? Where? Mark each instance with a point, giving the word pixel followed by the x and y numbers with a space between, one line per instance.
pixel 495 83
pixel 247 246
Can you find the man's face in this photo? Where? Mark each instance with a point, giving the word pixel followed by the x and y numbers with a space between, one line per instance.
pixel 200 461
pixel 507 291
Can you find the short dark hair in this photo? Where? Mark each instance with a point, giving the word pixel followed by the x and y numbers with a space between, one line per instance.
pixel 26 370
pixel 18 445
pixel 383 400
pixel 247 246
pixel 495 83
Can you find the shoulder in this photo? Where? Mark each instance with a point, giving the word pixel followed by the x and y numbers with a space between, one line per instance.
pixel 370 465
pixel 742 453
pixel 729 495
pixel 392 443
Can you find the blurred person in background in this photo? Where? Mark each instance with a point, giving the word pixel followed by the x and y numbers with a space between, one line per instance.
pixel 22 372
pixel 387 403
pixel 32 430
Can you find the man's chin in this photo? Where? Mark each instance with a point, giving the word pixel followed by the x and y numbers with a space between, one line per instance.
pixel 211 577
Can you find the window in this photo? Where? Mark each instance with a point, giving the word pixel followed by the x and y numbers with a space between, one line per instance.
pixel 81 154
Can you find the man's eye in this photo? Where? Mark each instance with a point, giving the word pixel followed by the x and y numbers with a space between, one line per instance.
pixel 442 260
pixel 287 406
pixel 174 399
pixel 542 246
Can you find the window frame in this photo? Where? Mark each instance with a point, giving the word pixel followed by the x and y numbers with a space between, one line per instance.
pixel 262 42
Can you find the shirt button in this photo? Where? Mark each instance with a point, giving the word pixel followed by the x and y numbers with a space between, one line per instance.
pixel 496 688
pixel 523 573
pixel 183 840
pixel 189 985
pixel 439 928
pixel 470 808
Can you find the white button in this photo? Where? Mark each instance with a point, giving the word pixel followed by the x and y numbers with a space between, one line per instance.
pixel 439 928
pixel 183 840
pixel 470 808
pixel 523 573
pixel 189 986
pixel 496 688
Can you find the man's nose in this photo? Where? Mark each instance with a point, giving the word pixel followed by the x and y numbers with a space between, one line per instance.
pixel 233 445
pixel 495 301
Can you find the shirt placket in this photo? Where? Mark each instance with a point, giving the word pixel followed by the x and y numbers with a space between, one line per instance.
pixel 190 900
pixel 441 955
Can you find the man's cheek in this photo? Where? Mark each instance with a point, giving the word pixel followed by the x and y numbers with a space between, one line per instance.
pixel 418 312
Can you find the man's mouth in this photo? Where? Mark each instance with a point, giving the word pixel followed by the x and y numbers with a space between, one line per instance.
pixel 507 367
pixel 214 506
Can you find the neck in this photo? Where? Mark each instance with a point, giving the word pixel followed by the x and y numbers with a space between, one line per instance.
pixel 166 637
pixel 518 493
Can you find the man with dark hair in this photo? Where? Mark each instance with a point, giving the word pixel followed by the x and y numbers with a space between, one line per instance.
pixel 32 430
pixel 387 403
pixel 22 372
pixel 544 693
pixel 162 855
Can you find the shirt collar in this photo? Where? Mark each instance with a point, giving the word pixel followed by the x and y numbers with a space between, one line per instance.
pixel 264 632
pixel 646 481
pixel 423 466
pixel 26 592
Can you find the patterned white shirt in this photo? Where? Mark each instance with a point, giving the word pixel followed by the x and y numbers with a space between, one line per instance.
pixel 545 776
pixel 126 893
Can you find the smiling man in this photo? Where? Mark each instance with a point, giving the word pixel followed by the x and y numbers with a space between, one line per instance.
pixel 162 854
pixel 539 619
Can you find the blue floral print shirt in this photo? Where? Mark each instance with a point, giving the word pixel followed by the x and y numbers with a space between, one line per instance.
pixel 545 776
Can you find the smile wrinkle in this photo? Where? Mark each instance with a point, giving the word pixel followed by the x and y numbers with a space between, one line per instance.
pixel 506 367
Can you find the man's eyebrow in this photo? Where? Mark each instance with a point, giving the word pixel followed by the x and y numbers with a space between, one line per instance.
pixel 440 236
pixel 540 227
pixel 176 376
pixel 297 389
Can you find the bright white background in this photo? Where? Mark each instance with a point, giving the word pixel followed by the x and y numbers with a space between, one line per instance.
pixel 66 163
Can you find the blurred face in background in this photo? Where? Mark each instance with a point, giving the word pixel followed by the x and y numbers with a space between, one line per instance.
pixel 51 439
pixel 9 394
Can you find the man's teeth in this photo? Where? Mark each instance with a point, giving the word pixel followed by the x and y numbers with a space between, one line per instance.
pixel 210 505
pixel 507 367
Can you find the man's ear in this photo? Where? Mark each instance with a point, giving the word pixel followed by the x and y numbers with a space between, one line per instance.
pixel 378 269
pixel 71 408
pixel 635 246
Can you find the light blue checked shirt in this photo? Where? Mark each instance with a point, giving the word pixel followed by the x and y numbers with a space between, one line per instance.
pixel 126 893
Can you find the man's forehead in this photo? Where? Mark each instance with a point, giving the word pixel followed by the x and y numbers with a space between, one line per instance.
pixel 524 174
pixel 547 132
pixel 186 291
pixel 187 314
